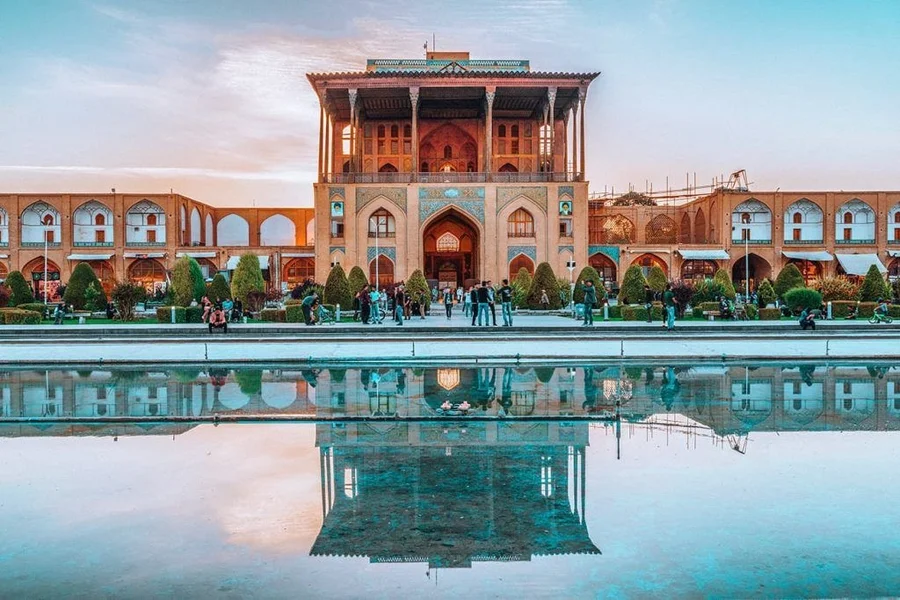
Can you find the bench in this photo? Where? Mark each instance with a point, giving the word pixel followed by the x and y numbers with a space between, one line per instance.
pixel 712 314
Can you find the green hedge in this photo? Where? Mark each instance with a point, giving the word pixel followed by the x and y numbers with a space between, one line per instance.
pixel 38 307
pixel 293 313
pixel 615 312
pixel 769 314
pixel 292 301
pixel 273 315
pixel 752 311
pixel 21 317
pixel 894 310
pixel 164 314
pixel 841 308
pixel 697 312
pixel 639 313
pixel 193 314
pixel 866 309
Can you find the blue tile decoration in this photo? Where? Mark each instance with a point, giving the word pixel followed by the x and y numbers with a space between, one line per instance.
pixel 391 253
pixel 513 251
pixel 334 249
pixel 468 199
pixel 335 191
pixel 610 251
pixel 566 190
pixel 366 195
pixel 567 249
pixel 535 193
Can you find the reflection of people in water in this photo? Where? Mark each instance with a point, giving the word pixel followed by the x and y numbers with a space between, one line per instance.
pixel 484 389
pixel 365 376
pixel 670 388
pixel 311 376
pixel 506 392
pixel 401 381
pixel 806 372
pixel 590 390
pixel 878 372
pixel 218 378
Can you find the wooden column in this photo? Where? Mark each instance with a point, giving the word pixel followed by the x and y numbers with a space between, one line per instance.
pixel 581 97
pixel 352 93
pixel 414 103
pixel 575 141
pixel 321 137
pixel 489 130
pixel 327 158
pixel 551 121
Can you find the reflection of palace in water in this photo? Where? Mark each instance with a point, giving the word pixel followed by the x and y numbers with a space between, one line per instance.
pixel 725 398
pixel 453 493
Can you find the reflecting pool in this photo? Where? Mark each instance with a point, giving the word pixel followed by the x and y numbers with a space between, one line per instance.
pixel 561 481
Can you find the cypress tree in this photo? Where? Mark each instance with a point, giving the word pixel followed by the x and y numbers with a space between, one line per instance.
pixel 788 279
pixel 21 291
pixel 766 293
pixel 417 283
pixel 724 278
pixel 337 289
pixel 589 274
pixel 873 286
pixel 544 280
pixel 521 285
pixel 357 280
pixel 247 278
pixel 82 277
pixel 632 291
pixel 217 291
pixel 197 279
pixel 182 282
pixel 656 279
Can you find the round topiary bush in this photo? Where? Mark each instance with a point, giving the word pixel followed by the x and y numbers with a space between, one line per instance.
pixel 656 279
pixel 589 274
pixel 247 278
pixel 788 279
pixel 766 293
pixel 873 286
pixel 632 291
pixel 357 280
pixel 798 299
pixel 21 291
pixel 82 278
pixel 217 291
pixel 544 280
pixel 337 289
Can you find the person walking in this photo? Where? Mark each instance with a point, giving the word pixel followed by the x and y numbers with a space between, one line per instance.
pixel 459 294
pixel 491 297
pixel 590 298
pixel 483 307
pixel 648 302
pixel 473 296
pixel 506 293
pixel 467 302
pixel 365 304
pixel 669 304
pixel 545 300
pixel 400 304
pixel 448 302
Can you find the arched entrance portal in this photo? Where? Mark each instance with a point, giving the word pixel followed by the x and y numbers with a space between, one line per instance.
pixel 810 269
pixel 759 269
pixel 34 272
pixel 451 250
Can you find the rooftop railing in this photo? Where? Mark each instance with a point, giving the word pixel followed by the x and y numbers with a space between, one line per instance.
pixel 451 177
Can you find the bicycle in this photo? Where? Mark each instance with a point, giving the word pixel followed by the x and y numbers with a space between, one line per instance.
pixel 880 318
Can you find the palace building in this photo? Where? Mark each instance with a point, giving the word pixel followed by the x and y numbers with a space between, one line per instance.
pixel 467 169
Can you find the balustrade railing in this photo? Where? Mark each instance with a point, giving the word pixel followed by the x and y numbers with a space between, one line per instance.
pixel 93 244
pixel 39 244
pixel 803 242
pixel 133 244
pixel 450 177
pixel 855 242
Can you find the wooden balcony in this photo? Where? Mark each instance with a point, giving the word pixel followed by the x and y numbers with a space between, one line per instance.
pixel 450 177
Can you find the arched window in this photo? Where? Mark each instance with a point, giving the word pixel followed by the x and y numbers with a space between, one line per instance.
pixel 407 131
pixel 803 221
pixel 149 273
pixel 39 223
pixel 501 131
pixel 604 266
pixel 448 243
pixel 387 168
pixel 520 224
pixel 855 223
pixel 798 218
pixel 424 166
pixel 47 220
pixel 448 151
pixel 684 234
pixel 151 220
pixel 345 140
pixel 698 269
pixel 700 227
pixel 382 225
pixel 395 131
pixel 751 221
pixel 100 219
pixel 381 131
pixel 382 271
pixel 508 168
pixel 661 230
pixel 298 270
pixel 615 229
pixel 514 131
pixel 848 218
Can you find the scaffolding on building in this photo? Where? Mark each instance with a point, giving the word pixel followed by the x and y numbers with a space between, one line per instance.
pixel 736 181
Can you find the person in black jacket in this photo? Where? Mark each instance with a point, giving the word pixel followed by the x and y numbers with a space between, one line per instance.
pixel 484 304
pixel 474 296
pixel 649 297
pixel 506 293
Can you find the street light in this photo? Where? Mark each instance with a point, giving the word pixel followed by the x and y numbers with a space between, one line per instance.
pixel 46 245
pixel 570 265
pixel 376 248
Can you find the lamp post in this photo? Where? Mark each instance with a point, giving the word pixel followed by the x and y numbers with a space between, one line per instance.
pixel 46 245
pixel 747 262
pixel 570 265
pixel 376 249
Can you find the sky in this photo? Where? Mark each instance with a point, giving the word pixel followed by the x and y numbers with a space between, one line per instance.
pixel 208 97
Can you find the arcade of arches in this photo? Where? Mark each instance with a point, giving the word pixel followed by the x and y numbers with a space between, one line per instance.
pixel 605 267
pixel 648 261
pixel 298 270
pixel 810 269
pixel 759 269
pixel 451 250
pixel 33 271
pixel 149 273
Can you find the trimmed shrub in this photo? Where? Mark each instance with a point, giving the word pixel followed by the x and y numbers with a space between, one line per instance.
pixel 521 285
pixel 615 312
pixel 94 298
pixel 766 293
pixel 656 279
pixel 752 311
pixel 293 313
pixel 866 309
pixel 589 274
pixel 841 308
pixel 20 317
pixel 217 290
pixel 21 291
pixel 544 279
pixel 565 291
pixel 292 301
pixel 337 289
pixel 724 279
pixel 707 290
pixel 789 278
pixel 632 291
pixel 799 298
pixel 197 279
pixel 125 296
pixel 193 314
pixel 164 314
pixel 82 277
pixel 873 286
pixel 835 288
pixel 249 381
pixel 417 284
pixel 357 280
pixel 769 314
pixel 182 283
pixel 38 307
pixel 272 315
pixel 684 295
pixel 639 313
pixel 697 312
pixel 5 294
pixel 247 278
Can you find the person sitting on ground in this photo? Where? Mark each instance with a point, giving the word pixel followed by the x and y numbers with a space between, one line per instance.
pixel 227 306
pixel 807 320
pixel 853 312
pixel 217 320
pixel 237 311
